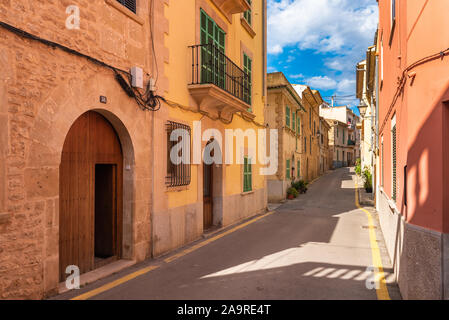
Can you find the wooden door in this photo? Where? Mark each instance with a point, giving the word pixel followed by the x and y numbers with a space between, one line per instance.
pixel 90 209
pixel 207 196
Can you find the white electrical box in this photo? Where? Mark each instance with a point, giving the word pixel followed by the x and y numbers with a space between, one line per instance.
pixel 137 77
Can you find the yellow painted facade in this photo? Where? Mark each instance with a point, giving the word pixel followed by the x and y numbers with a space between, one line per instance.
pixel 178 212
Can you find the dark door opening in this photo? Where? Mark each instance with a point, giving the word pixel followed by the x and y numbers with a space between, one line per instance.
pixel 91 178
pixel 207 196
pixel 105 210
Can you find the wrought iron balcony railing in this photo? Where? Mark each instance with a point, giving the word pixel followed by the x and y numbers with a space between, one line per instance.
pixel 351 142
pixel 211 66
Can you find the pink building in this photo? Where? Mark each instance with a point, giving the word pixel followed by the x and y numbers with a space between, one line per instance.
pixel 413 124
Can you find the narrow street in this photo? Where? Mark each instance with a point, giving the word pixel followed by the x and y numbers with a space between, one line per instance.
pixel 314 247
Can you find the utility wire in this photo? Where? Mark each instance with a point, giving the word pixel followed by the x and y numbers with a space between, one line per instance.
pixel 403 80
pixel 147 101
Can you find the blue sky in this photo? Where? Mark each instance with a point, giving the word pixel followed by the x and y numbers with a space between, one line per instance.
pixel 319 42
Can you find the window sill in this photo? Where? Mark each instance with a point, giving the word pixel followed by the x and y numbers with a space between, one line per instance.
pixel 247 27
pixel 176 189
pixel 247 193
pixel 125 11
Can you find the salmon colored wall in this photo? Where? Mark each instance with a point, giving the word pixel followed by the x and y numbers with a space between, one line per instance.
pixel 419 110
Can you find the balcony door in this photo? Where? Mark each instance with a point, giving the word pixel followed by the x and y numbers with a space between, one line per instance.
pixel 213 60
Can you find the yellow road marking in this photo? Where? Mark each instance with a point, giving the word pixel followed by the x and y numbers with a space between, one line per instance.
pixel 138 273
pixel 115 283
pixel 379 275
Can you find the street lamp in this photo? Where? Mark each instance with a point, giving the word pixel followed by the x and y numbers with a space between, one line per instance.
pixel 362 108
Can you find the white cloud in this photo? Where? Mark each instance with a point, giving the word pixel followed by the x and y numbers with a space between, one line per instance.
pixel 297 76
pixel 290 59
pixel 321 82
pixel 334 26
pixel 346 86
pixel 340 30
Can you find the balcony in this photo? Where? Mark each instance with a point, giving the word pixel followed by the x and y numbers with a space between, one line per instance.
pixel 230 7
pixel 351 142
pixel 218 85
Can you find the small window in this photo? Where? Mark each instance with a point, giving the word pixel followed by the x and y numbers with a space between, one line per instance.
pixel 393 20
pixel 310 149
pixel 178 174
pixel 310 118
pixel 298 167
pixel 130 4
pixel 248 14
pixel 247 68
pixel 287 116
pixel 293 121
pixel 288 170
pixel 247 175
pixel 305 144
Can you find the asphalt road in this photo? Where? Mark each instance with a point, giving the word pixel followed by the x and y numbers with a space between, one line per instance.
pixel 314 247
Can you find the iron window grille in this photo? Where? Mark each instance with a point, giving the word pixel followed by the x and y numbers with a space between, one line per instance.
pixel 130 4
pixel 178 174
pixel 211 66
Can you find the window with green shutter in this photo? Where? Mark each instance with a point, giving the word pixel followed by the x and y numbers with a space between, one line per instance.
pixel 212 63
pixel 298 167
pixel 247 175
pixel 310 149
pixel 247 14
pixel 310 118
pixel 288 170
pixel 287 116
pixel 247 68
pixel 293 121
pixel 298 123
pixel 305 144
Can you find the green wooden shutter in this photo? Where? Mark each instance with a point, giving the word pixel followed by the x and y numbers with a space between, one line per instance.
pixel 310 118
pixel 247 68
pixel 293 121
pixel 287 116
pixel 247 14
pixel 247 175
pixel 298 166
pixel 310 149
pixel 298 131
pixel 287 171
pixel 212 62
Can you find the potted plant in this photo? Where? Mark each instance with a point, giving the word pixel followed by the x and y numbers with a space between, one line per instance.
pixel 358 167
pixel 300 186
pixel 367 176
pixel 292 193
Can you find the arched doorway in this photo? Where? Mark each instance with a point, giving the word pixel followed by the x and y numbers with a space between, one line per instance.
pixel 90 195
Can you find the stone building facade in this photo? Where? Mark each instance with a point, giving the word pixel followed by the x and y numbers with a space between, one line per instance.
pixel 69 127
pixel 312 101
pixel 325 152
pixel 285 112
pixel 44 90
pixel 351 134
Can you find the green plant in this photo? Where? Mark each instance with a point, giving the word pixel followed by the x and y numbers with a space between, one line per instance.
pixel 368 178
pixel 292 192
pixel 300 186
pixel 358 167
